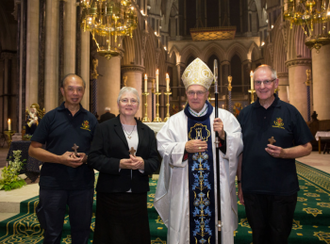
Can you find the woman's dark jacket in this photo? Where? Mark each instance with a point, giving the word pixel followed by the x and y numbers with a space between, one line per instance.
pixel 109 146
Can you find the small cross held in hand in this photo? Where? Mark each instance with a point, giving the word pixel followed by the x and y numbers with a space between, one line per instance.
pixel 271 140
pixel 75 148
pixel 132 151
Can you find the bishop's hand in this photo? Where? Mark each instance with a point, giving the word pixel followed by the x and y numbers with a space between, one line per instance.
pixel 194 146
pixel 219 127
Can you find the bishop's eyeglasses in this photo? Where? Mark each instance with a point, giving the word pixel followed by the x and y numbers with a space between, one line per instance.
pixel 198 93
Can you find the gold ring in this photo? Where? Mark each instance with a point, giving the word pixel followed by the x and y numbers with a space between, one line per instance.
pixel 199 148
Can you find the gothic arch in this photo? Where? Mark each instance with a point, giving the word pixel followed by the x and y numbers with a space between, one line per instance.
pixel 279 48
pixel 213 49
pixel 253 52
pixel 236 48
pixel 190 50
pixel 174 50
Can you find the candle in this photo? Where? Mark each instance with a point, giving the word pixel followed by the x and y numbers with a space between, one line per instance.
pixel 157 80
pixel 252 82
pixel 167 82
pixel 145 83
pixel 9 124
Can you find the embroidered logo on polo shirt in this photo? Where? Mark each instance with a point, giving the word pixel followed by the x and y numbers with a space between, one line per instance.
pixel 279 123
pixel 85 125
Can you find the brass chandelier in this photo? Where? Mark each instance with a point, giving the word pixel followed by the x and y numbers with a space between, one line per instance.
pixel 314 12
pixel 108 21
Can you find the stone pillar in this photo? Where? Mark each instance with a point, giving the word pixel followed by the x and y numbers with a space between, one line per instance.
pixel 223 89
pixel 246 69
pixel 181 94
pixel 134 74
pixel 32 44
pixel 320 83
pixel 5 92
pixel 85 67
pixel 108 84
pixel 298 90
pixel 51 62
pixel 283 87
pixel 70 12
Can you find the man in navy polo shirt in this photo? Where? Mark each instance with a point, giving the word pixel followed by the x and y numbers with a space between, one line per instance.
pixel 267 178
pixel 65 179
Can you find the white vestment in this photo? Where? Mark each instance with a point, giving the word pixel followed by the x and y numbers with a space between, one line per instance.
pixel 172 194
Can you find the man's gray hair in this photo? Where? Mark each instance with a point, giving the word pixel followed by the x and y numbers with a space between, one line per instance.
pixel 107 109
pixel 128 89
pixel 265 66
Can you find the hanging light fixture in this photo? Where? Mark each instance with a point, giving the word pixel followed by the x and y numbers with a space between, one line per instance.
pixel 315 12
pixel 108 21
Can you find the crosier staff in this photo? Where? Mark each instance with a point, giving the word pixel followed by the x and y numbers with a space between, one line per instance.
pixel 217 142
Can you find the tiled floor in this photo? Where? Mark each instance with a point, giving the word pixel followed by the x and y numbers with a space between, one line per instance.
pixel 9 201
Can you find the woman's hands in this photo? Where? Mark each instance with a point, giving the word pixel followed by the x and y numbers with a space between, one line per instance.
pixel 134 163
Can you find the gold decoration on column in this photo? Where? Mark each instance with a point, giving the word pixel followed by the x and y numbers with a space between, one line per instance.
pixel 167 93
pixel 95 65
pixel 315 11
pixel 108 21
pixel 146 94
pixel 230 78
pixel 308 79
pixel 124 80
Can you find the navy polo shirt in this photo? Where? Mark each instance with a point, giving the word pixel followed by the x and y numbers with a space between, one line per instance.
pixel 59 130
pixel 262 173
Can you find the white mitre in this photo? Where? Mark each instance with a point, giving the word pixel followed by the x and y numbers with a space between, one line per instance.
pixel 197 73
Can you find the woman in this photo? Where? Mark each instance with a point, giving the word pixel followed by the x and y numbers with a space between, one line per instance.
pixel 123 183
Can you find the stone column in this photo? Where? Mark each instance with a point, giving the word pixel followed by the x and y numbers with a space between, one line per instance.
pixel 283 87
pixel 246 69
pixel 108 85
pixel 70 12
pixel 51 49
pixel 297 77
pixel 223 89
pixel 320 83
pixel 85 67
pixel 32 52
pixel 180 69
pixel 134 74
pixel 5 92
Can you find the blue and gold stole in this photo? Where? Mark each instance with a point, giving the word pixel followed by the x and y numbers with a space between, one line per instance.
pixel 201 181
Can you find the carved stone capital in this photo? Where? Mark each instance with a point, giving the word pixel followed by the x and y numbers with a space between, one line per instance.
pixel 132 68
pixel 282 75
pixel 225 62
pixel 299 62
